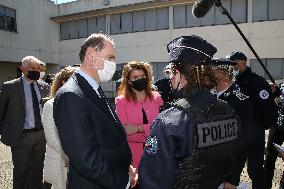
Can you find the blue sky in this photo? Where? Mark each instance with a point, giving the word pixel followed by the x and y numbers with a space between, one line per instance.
pixel 62 1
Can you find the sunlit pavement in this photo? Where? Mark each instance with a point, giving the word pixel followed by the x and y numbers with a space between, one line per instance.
pixel 6 167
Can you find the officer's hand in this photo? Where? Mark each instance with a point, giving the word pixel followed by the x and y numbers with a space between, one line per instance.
pixel 133 176
pixel 276 92
pixel 229 186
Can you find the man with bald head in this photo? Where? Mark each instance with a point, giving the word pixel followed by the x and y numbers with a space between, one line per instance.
pixel 90 131
pixel 20 124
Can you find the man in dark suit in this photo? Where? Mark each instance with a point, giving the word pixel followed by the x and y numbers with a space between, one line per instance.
pixel 89 130
pixel 20 124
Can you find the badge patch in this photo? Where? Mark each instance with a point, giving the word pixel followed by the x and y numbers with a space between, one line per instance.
pixel 263 94
pixel 151 145
pixel 218 132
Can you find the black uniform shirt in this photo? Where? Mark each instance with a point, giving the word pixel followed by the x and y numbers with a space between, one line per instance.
pixel 243 105
pixel 258 89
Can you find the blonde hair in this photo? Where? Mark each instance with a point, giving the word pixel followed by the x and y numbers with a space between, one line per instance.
pixel 29 59
pixel 125 88
pixel 60 78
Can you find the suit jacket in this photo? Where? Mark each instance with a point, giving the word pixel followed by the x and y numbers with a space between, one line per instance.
pixel 95 143
pixel 13 109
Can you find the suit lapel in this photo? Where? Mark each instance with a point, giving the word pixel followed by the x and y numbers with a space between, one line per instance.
pixel 93 96
pixel 21 93
pixel 91 93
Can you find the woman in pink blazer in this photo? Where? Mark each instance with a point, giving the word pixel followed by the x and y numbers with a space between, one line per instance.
pixel 137 105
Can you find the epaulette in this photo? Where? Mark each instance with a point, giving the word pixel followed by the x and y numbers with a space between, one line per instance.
pixel 181 103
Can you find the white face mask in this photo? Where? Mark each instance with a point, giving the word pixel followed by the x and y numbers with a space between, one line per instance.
pixel 167 76
pixel 108 71
pixel 235 72
pixel 42 74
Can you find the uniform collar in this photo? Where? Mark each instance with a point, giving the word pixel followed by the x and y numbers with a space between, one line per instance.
pixel 244 75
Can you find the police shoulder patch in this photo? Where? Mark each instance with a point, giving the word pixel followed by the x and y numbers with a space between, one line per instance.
pixel 151 145
pixel 263 94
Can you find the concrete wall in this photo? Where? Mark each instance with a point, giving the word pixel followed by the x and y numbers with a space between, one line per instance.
pixel 39 36
pixel 8 71
pixel 266 37
pixel 87 5
pixel 36 34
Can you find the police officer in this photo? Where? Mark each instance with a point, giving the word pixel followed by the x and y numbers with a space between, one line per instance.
pixel 191 142
pixel 276 135
pixel 257 88
pixel 250 144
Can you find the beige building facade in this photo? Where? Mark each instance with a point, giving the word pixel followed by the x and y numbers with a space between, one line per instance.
pixel 140 28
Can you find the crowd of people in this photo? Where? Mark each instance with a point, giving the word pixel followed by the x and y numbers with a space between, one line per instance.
pixel 195 128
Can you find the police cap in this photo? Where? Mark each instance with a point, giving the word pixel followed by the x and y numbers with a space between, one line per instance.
pixel 236 55
pixel 190 50
pixel 167 69
pixel 221 63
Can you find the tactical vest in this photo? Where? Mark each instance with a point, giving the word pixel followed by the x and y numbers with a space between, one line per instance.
pixel 215 129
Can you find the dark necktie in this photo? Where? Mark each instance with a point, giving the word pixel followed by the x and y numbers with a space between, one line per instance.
pixel 104 99
pixel 102 94
pixel 38 123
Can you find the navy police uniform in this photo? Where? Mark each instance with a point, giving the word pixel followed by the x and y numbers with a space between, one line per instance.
pixel 276 135
pixel 191 145
pixel 258 89
pixel 192 141
pixel 250 144
pixel 260 92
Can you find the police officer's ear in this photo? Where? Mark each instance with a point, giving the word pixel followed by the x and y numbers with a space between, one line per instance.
pixel 183 80
pixel 179 79
pixel 243 63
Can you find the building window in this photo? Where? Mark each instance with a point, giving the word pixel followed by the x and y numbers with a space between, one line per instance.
pixel 8 19
pixel 115 24
pixel 276 9
pixel 126 22
pixel 82 28
pixel 139 21
pixel 158 69
pixel 183 15
pixel 263 10
pixel 96 24
pixel 275 67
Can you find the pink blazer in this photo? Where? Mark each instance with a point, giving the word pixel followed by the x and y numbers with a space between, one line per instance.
pixel 130 112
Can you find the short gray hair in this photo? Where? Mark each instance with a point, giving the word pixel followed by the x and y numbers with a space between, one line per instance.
pixel 96 40
pixel 42 63
pixel 29 59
